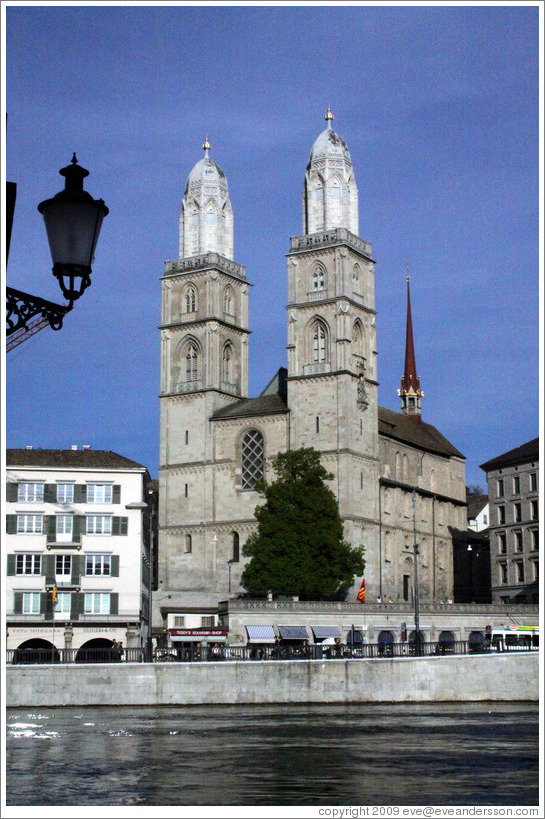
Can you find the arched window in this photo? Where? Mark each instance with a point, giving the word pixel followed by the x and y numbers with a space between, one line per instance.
pixel 356 279
pixel 319 345
pixel 236 548
pixel 252 458
pixel 188 545
pixel 191 363
pixel 357 339
pixel 318 278
pixel 226 364
pixel 190 299
pixel 228 302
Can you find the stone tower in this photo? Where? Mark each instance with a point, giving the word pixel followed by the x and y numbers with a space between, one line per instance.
pixel 332 380
pixel 204 366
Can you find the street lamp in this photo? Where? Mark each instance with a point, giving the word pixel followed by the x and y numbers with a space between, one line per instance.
pixel 416 601
pixel 72 220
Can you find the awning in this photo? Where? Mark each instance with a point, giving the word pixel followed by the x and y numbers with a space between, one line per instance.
pixel 293 632
pixel 320 632
pixel 260 634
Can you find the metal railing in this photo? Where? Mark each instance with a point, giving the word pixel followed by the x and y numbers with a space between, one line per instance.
pixel 47 656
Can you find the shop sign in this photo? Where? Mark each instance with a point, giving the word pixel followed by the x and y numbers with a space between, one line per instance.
pixel 198 632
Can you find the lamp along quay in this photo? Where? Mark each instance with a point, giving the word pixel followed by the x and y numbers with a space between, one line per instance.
pixel 73 220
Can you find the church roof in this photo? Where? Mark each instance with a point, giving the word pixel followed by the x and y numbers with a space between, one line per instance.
pixel 422 435
pixel 248 407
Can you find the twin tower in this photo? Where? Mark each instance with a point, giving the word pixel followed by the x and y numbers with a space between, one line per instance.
pixel 216 442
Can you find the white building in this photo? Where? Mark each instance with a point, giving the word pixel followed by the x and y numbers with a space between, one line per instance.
pixel 75 523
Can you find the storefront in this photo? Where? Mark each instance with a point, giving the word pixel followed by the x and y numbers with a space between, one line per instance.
pixel 196 643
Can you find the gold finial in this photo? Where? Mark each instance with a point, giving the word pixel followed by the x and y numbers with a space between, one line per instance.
pixel 328 115
pixel 206 145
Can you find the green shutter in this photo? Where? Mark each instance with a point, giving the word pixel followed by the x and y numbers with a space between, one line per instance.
pixel 117 493
pixel 12 560
pixel 46 604
pixel 78 567
pixel 80 493
pixel 50 493
pixel 11 524
pixel 114 566
pixel 50 527
pixel 114 603
pixel 48 568
pixel 18 602
pixel 78 526
pixel 11 492
pixel 75 605
pixel 120 526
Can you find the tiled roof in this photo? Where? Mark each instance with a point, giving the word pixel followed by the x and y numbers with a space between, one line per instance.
pixel 475 504
pixel 416 433
pixel 68 458
pixel 247 407
pixel 520 455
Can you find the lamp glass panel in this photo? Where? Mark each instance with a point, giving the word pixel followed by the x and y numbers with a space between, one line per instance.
pixel 72 231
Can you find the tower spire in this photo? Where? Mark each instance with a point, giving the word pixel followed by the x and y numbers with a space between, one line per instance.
pixel 410 392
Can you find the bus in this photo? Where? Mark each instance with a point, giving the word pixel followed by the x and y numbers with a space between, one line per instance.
pixel 515 638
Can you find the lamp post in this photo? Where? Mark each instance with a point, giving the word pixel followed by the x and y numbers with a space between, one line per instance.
pixel 72 220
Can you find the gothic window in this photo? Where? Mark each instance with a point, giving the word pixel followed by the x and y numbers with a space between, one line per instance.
pixel 356 279
pixel 236 548
pixel 318 278
pixel 228 302
pixel 191 363
pixel 252 458
pixel 190 299
pixel 357 339
pixel 226 364
pixel 210 215
pixel 319 343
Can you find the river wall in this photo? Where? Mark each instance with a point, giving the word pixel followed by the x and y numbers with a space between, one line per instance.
pixel 459 678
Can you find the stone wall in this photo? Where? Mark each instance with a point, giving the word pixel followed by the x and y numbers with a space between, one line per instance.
pixel 494 677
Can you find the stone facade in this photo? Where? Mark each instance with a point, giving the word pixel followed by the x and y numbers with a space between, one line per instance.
pixel 395 477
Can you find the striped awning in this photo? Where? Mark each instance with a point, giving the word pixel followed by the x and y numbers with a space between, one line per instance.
pixel 293 632
pixel 325 631
pixel 260 634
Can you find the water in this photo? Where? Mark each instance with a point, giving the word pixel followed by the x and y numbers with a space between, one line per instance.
pixel 335 755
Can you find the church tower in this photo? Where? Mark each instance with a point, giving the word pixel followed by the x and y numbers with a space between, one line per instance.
pixel 410 392
pixel 204 367
pixel 332 378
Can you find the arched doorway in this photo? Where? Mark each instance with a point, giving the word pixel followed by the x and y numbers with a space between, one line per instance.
pixel 475 642
pixel 98 650
pixel 446 642
pixel 412 641
pixel 36 650
pixel 385 643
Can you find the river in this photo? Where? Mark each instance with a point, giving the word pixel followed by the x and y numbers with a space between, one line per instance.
pixel 334 755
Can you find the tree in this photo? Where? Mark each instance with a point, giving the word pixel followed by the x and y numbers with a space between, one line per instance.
pixel 299 546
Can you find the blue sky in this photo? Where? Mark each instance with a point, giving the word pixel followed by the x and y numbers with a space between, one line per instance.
pixel 439 106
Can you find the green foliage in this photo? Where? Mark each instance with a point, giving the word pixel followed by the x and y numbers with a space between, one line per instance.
pixel 299 547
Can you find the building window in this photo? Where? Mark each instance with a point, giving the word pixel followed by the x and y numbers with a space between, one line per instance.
pixel 207 622
pixel 65 493
pixel 63 565
pixel 501 515
pixel 503 573
pixel 28 564
pixel 64 604
pixel 236 548
pixel 517 536
pixel 191 363
pixel 226 364
pixel 517 512
pixel 319 343
pixel 31 602
pixel 535 509
pixel 520 572
pixel 64 527
pixel 97 603
pixel 99 525
pixel 317 423
pixel 516 485
pixel 186 490
pixel 30 493
pixel 500 488
pixel 190 300
pixel 98 564
pixel 535 539
pixel 228 302
pixel 29 524
pixel 502 543
pixel 186 437
pixel 179 621
pixel 318 278
pixel 252 458
pixel 100 493
pixel 188 547
pixel 485 520
pixel 533 481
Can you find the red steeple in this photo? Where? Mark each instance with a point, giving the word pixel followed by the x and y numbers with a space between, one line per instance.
pixel 410 391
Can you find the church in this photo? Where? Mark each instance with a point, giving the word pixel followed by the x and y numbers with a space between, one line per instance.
pixel 397 479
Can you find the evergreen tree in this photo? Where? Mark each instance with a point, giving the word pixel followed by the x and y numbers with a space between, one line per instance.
pixel 299 547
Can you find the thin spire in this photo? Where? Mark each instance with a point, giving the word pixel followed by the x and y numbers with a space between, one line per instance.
pixel 328 116
pixel 410 391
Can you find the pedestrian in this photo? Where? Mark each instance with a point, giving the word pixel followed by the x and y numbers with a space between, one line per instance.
pixel 120 651
pixel 115 653
pixel 379 599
